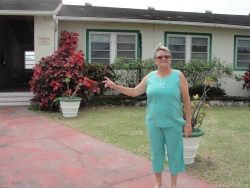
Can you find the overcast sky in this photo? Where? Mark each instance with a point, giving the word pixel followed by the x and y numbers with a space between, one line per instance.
pixel 239 7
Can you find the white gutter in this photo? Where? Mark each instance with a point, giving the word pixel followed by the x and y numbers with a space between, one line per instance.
pixel 95 19
pixel 27 12
pixel 58 8
pixel 55 33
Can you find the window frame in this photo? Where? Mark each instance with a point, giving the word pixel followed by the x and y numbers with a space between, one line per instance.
pixel 113 51
pixel 28 60
pixel 237 37
pixel 188 46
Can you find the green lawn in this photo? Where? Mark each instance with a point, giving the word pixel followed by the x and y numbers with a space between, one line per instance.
pixel 223 158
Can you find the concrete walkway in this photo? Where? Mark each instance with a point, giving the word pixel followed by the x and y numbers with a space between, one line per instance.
pixel 37 152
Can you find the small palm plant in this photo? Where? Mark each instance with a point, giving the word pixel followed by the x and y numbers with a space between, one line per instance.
pixel 69 91
pixel 198 105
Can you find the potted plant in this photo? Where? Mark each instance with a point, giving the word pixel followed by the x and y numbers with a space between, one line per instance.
pixel 191 143
pixel 70 104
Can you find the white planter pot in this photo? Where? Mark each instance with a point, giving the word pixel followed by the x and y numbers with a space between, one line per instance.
pixel 70 107
pixel 191 145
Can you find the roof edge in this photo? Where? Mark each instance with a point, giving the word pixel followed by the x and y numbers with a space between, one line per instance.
pixel 31 12
pixel 97 19
pixel 58 8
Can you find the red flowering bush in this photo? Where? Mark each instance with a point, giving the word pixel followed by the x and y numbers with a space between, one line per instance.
pixel 246 79
pixel 48 81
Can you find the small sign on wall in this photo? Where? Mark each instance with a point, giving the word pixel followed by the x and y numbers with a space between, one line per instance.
pixel 43 40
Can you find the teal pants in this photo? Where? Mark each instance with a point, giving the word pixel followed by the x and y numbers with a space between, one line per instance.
pixel 170 138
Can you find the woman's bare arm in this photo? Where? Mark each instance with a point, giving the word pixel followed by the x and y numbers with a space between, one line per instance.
pixel 133 92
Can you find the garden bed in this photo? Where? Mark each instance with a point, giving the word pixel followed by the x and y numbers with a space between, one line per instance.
pixel 141 100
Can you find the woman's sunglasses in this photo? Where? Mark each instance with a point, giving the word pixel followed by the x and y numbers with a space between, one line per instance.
pixel 165 56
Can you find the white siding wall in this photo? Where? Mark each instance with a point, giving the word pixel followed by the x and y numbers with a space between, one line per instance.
pixel 152 34
pixel 44 27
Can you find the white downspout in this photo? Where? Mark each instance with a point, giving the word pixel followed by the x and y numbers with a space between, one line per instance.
pixel 55 33
pixel 56 26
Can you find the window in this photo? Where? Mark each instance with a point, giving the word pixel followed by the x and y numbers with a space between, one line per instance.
pixel 105 46
pixel 29 59
pixel 126 46
pixel 177 46
pixel 100 48
pixel 199 48
pixel 242 53
pixel 185 47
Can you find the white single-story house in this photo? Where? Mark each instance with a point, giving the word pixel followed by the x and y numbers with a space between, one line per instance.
pixel 30 30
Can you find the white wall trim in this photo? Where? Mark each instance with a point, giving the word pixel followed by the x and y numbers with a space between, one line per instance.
pixel 95 19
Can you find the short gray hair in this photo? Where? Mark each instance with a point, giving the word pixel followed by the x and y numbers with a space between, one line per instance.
pixel 161 47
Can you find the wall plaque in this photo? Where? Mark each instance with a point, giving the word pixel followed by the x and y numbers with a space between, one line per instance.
pixel 44 40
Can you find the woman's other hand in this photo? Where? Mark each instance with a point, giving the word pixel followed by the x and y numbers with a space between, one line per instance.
pixel 187 130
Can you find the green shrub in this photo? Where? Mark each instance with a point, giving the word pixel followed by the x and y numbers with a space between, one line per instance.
pixel 211 91
pixel 196 71
pixel 130 72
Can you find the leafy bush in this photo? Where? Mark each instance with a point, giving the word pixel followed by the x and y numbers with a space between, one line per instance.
pixel 211 91
pixel 196 71
pixel 97 72
pixel 131 71
pixel 49 74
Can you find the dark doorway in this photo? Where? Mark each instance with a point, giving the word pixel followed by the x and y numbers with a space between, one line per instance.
pixel 22 31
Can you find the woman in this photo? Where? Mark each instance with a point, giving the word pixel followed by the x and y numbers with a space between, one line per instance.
pixel 166 90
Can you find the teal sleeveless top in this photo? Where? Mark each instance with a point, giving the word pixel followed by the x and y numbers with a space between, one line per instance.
pixel 164 104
